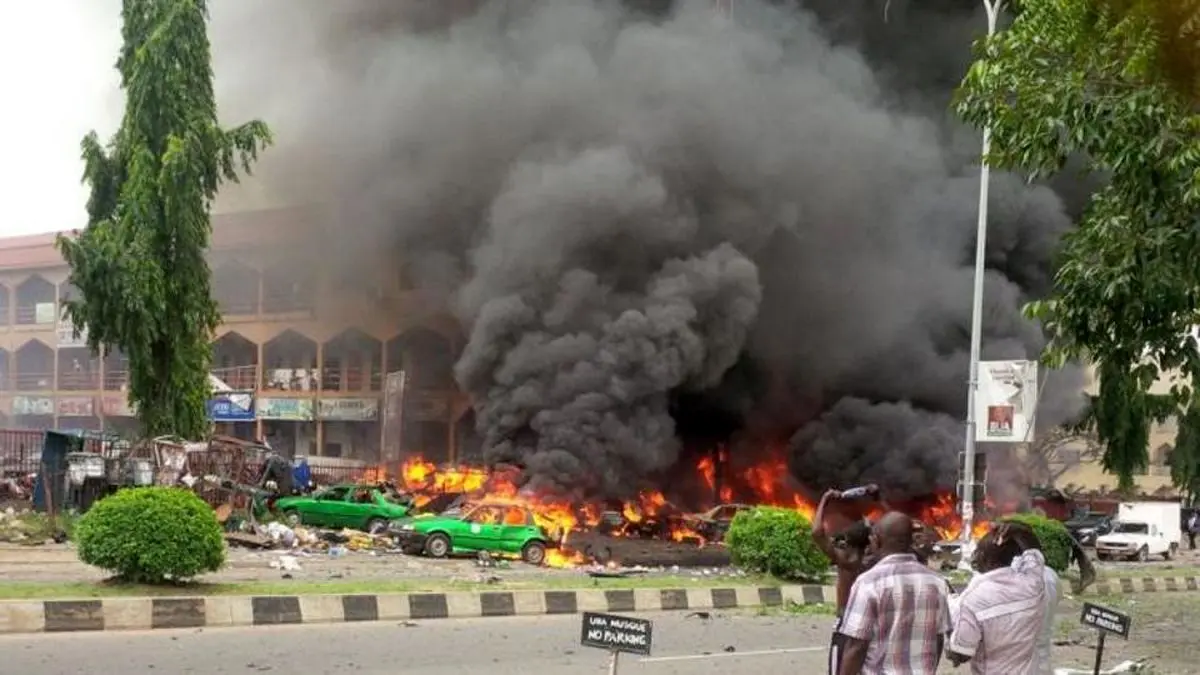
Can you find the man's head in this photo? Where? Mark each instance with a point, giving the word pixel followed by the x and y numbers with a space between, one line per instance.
pixel 893 534
pixel 1004 542
pixel 857 536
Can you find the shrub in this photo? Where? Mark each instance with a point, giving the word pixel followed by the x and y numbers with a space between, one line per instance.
pixel 151 535
pixel 1052 535
pixel 775 541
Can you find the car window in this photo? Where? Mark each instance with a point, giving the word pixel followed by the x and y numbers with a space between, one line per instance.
pixel 362 496
pixel 484 515
pixel 336 494
pixel 515 516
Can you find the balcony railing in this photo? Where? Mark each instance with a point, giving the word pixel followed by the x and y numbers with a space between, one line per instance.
pixel 287 301
pixel 291 379
pixel 351 378
pixel 82 380
pixel 239 305
pixel 116 380
pixel 241 378
pixel 31 381
pixel 27 315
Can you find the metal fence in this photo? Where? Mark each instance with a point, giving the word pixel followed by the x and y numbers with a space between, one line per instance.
pixel 20 452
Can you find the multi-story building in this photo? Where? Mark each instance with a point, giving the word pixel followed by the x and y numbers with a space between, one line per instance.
pixel 311 349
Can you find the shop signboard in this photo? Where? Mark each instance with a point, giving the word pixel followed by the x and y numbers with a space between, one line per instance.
pixel 32 405
pixel 231 406
pixel 67 337
pixel 285 409
pixel 76 406
pixel 116 405
pixel 348 409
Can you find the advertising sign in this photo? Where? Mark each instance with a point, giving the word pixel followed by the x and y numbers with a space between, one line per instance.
pixel 285 409
pixel 348 409
pixel 116 405
pixel 393 414
pixel 33 405
pixel 76 406
pixel 231 406
pixel 67 338
pixel 1006 401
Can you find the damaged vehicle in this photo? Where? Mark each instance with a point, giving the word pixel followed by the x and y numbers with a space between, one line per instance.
pixel 501 529
pixel 713 524
pixel 360 507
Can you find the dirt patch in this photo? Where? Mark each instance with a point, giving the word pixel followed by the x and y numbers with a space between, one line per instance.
pixel 1163 634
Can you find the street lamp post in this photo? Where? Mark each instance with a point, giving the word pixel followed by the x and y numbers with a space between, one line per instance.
pixel 967 500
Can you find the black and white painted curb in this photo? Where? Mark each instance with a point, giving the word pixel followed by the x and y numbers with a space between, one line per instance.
pixel 107 614
pixel 57 616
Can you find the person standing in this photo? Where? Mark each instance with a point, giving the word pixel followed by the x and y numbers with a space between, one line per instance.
pixel 1193 527
pixel 1004 617
pixel 897 617
pixel 849 557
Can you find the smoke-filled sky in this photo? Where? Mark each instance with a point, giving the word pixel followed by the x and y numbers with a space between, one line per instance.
pixel 649 225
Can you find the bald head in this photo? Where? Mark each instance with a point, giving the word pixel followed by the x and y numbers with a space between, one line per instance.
pixel 895 532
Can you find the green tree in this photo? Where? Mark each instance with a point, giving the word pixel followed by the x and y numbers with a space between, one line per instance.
pixel 1185 456
pixel 1113 82
pixel 140 263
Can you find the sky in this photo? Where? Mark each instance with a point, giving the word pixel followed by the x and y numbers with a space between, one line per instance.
pixel 56 69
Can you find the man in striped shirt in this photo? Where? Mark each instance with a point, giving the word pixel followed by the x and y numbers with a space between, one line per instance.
pixel 897 616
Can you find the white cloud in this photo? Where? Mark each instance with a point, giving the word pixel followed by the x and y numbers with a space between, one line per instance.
pixel 56 68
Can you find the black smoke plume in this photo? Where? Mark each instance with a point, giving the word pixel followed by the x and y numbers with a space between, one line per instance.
pixel 657 224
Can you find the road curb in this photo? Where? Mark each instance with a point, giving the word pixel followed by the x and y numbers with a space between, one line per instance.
pixel 115 614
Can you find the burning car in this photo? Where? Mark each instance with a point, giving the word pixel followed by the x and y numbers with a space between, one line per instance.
pixel 713 524
pixel 504 529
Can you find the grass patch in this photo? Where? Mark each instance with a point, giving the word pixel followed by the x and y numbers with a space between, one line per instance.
pixel 16 590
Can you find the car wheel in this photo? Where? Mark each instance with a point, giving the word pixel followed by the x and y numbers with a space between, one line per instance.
pixel 534 553
pixel 291 517
pixel 376 525
pixel 1143 554
pixel 437 546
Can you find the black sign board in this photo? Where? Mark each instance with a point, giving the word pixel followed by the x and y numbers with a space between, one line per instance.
pixel 616 633
pixel 1106 620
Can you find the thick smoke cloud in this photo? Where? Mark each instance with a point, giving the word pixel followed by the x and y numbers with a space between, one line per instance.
pixel 775 217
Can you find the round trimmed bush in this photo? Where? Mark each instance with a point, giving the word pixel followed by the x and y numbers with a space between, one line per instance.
pixel 151 535
pixel 1052 535
pixel 775 541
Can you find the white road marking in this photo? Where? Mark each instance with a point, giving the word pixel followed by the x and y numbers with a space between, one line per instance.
pixel 719 655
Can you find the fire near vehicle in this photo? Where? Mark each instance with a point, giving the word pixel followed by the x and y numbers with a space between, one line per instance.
pixel 361 507
pixel 505 529
pixel 1142 529
pixel 713 524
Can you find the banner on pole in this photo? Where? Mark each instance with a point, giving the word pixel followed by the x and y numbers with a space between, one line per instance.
pixel 1006 401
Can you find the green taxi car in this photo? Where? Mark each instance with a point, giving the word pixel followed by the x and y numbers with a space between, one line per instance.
pixel 359 507
pixel 503 529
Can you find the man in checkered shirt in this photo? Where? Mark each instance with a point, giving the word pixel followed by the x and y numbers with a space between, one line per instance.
pixel 898 614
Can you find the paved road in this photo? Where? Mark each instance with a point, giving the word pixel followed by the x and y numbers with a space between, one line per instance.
pixel 516 646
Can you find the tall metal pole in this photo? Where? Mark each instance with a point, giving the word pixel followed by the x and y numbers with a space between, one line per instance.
pixel 968 480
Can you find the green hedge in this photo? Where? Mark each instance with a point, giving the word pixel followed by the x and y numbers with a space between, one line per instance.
pixel 775 541
pixel 151 535
pixel 1053 536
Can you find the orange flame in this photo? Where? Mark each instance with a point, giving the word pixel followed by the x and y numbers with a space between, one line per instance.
pixel 766 483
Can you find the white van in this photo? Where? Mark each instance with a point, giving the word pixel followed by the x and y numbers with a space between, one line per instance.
pixel 1141 530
